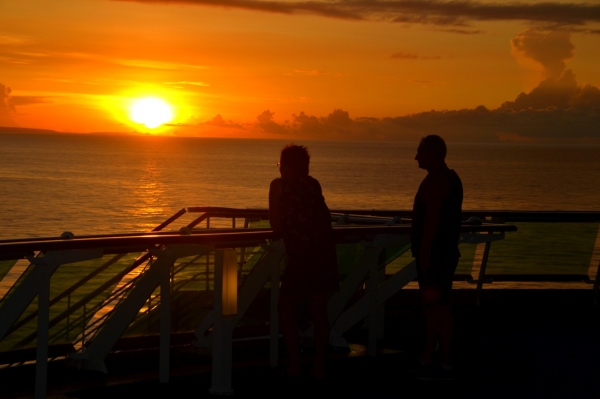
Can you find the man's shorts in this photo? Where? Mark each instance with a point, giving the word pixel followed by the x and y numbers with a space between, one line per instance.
pixel 439 277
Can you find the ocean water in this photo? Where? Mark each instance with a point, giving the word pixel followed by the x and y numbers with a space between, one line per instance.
pixel 96 184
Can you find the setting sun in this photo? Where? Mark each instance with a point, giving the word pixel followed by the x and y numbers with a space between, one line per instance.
pixel 151 112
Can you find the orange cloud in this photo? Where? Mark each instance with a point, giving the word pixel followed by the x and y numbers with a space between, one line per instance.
pixel 218 121
pixel 549 48
pixel 28 100
pixel 413 56
pixel 268 125
pixel 556 109
pixel 7 110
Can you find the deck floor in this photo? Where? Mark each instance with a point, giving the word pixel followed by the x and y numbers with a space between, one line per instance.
pixel 518 343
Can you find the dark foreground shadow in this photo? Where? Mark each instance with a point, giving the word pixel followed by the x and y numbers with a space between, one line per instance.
pixel 518 344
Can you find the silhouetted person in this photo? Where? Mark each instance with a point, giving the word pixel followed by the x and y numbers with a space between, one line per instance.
pixel 436 229
pixel 297 211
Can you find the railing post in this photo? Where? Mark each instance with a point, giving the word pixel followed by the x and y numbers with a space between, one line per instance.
pixel 44 268
pixel 68 316
pixel 41 364
pixel 375 318
pixel 594 268
pixel 274 327
pixel 223 323
pixel 481 278
pixel 596 285
pixel 83 325
pixel 380 310
pixel 165 322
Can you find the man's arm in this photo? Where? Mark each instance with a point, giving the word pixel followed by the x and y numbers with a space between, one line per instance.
pixel 274 208
pixel 436 188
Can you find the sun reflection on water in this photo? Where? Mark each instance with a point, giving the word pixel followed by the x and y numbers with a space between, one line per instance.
pixel 149 194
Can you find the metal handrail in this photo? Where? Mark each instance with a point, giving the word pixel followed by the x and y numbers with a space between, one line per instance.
pixel 59 251
pixel 95 272
pixel 227 239
pixel 506 215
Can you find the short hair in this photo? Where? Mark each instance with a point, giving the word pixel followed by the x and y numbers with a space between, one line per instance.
pixel 435 144
pixel 296 158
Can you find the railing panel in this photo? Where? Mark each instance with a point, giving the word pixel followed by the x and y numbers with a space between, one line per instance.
pixel 79 291
pixel 5 266
pixel 544 249
pixel 70 305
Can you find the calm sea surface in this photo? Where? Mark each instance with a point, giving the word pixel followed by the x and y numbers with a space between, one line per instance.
pixel 94 184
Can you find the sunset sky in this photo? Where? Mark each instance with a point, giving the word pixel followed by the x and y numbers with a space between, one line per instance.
pixel 364 69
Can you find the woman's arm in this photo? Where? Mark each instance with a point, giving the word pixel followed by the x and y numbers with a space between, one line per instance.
pixel 274 208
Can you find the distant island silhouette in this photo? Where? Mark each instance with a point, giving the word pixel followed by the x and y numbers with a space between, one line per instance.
pixel 29 130
pixel 26 130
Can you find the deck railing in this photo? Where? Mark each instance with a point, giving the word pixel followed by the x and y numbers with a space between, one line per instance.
pixel 93 290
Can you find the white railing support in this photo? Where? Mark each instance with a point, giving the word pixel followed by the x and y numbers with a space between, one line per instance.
pixel 165 324
pixel 44 268
pixel 274 326
pixel 119 320
pixel 41 359
pixel 252 285
pixel 371 266
pixel 222 327
pixel 483 243
pixel 375 319
pixel 594 268
pixel 361 308
pixel 481 278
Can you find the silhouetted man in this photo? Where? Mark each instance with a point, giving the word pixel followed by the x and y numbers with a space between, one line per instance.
pixel 436 229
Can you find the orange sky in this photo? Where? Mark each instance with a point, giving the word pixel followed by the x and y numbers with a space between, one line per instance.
pixel 76 65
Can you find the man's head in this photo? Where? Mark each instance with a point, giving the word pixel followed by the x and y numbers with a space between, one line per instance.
pixel 431 152
pixel 293 161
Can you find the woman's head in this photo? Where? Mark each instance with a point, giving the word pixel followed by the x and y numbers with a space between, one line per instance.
pixel 294 160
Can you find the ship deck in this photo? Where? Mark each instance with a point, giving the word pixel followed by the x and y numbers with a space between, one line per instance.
pixel 517 343
pixel 527 326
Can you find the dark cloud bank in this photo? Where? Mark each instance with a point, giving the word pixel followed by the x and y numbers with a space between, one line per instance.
pixel 426 12
pixel 557 109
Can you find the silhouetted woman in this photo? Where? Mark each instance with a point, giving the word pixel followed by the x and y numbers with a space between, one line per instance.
pixel 297 211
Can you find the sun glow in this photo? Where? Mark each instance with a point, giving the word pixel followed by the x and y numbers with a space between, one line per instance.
pixel 151 112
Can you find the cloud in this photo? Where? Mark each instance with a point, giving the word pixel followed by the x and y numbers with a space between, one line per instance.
pixel 152 64
pixel 218 121
pixel 180 125
pixel 433 12
pixel 12 40
pixel 413 56
pixel 549 48
pixel 187 83
pixel 315 72
pixel 7 109
pixel 268 125
pixel 462 31
pixel 558 108
pixel 563 93
pixel 337 123
pixel 28 100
